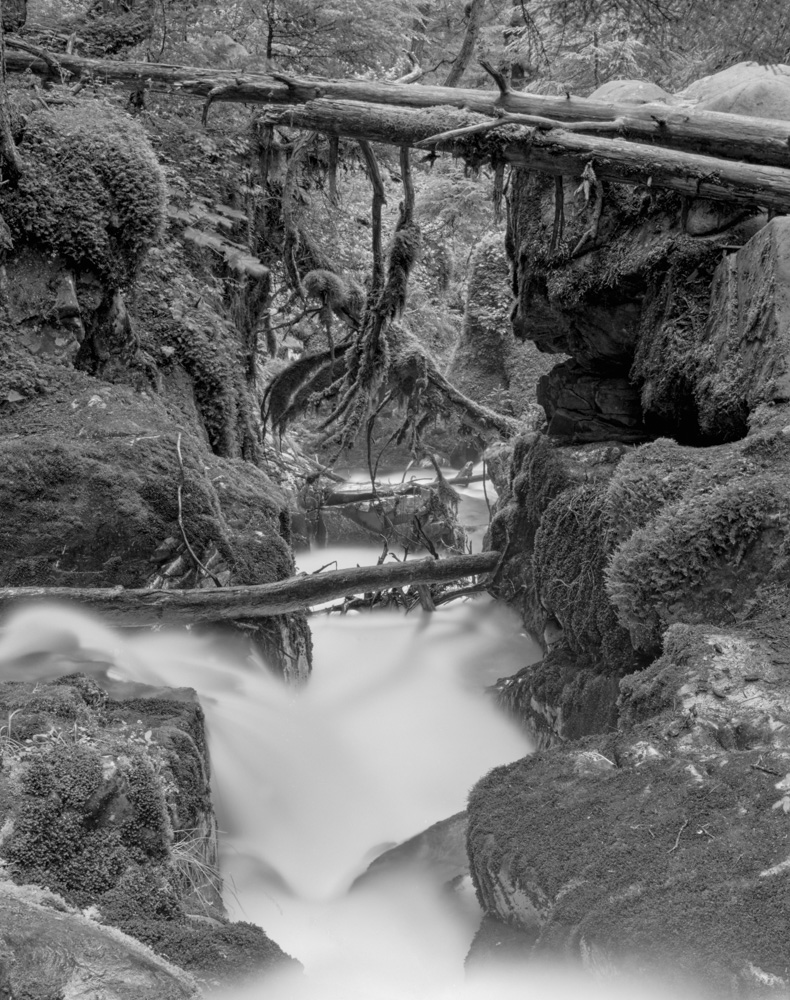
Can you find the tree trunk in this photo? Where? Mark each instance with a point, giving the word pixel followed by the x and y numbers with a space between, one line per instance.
pixel 136 608
pixel 755 140
pixel 8 151
pixel 465 53
pixel 553 152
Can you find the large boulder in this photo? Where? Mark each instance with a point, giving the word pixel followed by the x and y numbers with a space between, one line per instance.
pixel 661 847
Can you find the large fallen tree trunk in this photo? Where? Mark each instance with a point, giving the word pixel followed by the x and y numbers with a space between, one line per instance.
pixel 554 152
pixel 184 607
pixel 758 140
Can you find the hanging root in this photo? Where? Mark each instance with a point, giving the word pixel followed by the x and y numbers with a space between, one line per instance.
pixel 559 213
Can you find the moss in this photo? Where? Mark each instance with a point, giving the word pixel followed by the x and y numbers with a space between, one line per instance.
pixel 651 691
pixel 604 849
pixel 93 190
pixel 227 953
pixel 63 836
pixel 572 549
pixel 693 555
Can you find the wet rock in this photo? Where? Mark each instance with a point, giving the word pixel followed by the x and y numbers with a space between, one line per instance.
pixel 440 851
pixel 583 406
pixel 52 950
pixel 616 547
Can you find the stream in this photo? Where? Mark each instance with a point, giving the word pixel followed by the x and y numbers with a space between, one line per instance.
pixel 312 784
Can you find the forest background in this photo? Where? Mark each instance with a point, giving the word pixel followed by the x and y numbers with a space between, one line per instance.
pixel 221 206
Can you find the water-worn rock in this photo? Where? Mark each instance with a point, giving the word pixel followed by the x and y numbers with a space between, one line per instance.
pixel 48 950
pixel 439 852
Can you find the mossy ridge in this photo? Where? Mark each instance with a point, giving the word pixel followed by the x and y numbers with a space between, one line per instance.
pixel 599 846
pixel 662 572
pixel 93 192
pixel 177 302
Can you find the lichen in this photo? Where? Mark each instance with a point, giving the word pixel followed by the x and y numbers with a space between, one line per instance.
pixel 91 191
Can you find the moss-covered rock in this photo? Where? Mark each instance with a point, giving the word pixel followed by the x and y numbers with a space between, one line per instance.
pixel 92 191
pixel 673 865
pixel 611 547
pixel 107 803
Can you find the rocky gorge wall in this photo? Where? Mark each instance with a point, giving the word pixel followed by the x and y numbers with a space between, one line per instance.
pixel 647 540
pixel 127 427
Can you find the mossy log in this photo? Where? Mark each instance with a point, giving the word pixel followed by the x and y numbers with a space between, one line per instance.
pixel 712 133
pixel 184 607
pixel 553 152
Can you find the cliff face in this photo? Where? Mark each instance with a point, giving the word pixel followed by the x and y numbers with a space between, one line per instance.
pixel 650 829
pixel 127 427
pixel 675 316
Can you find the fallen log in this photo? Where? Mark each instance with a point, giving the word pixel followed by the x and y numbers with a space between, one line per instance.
pixel 135 608
pixel 553 152
pixel 757 140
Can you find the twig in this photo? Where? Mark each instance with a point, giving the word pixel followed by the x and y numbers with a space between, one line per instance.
pixel 190 550
pixel 767 770
pixel 485 491
pixel 428 543
pixel 677 839
pixel 322 568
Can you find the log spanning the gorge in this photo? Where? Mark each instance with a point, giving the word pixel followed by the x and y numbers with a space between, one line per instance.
pixel 756 140
pixel 556 151
pixel 133 608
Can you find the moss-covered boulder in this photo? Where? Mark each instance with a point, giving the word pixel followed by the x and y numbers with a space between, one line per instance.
pixel 92 190
pixel 622 853
pixel 107 803
pixel 661 847
pixel 98 477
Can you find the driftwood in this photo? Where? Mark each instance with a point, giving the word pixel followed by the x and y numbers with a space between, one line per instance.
pixel 184 607
pixel 758 140
pixel 335 496
pixel 553 152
